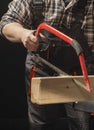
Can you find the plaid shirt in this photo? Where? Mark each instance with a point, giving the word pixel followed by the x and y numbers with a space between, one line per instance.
pixel 54 14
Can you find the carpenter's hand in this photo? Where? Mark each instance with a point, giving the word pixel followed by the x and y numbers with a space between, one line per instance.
pixel 29 40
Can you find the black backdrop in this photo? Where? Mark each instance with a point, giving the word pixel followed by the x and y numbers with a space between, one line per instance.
pixel 13 106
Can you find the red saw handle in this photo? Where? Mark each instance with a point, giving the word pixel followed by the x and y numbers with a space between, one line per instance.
pixel 73 43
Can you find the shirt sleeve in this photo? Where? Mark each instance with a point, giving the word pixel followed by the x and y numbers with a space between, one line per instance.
pixel 18 11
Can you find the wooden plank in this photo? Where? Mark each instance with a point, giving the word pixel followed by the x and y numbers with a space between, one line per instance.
pixel 60 89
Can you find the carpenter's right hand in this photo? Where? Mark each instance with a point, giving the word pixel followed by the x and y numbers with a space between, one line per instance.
pixel 29 40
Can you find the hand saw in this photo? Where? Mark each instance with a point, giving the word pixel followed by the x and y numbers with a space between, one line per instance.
pixel 74 44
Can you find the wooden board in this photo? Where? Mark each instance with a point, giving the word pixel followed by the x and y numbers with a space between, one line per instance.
pixel 60 89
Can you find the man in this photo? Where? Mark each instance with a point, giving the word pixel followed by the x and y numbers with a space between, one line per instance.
pixel 18 24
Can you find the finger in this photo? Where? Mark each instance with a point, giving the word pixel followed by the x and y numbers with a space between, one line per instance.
pixel 32 46
pixel 42 36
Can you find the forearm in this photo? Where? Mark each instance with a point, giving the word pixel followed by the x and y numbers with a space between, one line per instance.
pixel 13 32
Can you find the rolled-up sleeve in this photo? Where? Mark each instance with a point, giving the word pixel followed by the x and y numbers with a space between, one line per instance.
pixel 18 11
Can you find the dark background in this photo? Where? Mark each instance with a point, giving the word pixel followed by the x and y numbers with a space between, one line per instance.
pixel 13 105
